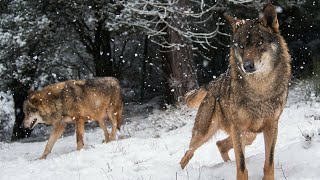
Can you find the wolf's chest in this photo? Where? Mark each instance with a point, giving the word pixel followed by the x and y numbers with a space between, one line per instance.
pixel 260 109
pixel 253 114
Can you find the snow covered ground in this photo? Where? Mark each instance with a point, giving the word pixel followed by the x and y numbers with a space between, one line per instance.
pixel 150 148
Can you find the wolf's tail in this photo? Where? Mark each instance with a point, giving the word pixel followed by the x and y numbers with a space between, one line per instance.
pixel 194 97
pixel 119 116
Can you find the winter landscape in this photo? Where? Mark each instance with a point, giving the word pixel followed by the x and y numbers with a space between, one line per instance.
pixel 158 50
pixel 151 146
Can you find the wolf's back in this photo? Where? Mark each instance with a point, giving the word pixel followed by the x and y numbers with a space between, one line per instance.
pixel 194 97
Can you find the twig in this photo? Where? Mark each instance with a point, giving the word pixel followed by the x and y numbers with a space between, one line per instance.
pixel 199 173
pixel 285 177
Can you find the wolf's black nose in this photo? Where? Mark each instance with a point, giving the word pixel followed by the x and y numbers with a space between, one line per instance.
pixel 248 66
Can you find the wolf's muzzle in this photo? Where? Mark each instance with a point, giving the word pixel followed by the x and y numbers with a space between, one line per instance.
pixel 248 66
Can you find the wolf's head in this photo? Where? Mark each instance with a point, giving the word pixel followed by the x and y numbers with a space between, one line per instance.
pixel 31 109
pixel 256 43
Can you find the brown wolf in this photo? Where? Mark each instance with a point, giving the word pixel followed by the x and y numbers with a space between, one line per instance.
pixel 75 101
pixel 249 98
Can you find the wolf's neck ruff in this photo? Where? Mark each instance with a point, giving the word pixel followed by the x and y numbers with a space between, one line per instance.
pixel 259 51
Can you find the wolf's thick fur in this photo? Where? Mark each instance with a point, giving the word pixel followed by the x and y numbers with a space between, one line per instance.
pixel 75 101
pixel 249 98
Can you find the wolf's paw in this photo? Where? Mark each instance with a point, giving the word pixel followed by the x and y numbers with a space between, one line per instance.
pixel 42 157
pixel 112 138
pixel 186 158
pixel 267 178
pixel 105 142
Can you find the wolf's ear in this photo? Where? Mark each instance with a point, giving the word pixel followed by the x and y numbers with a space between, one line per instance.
pixel 30 91
pixel 268 17
pixel 34 99
pixel 231 21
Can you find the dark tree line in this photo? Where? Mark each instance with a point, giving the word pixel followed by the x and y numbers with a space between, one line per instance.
pixel 155 48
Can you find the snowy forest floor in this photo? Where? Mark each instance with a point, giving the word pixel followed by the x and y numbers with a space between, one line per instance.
pixel 151 144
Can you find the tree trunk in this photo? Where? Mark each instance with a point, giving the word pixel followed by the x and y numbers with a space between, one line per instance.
pixel 316 71
pixel 20 92
pixel 102 53
pixel 19 95
pixel 144 69
pixel 178 63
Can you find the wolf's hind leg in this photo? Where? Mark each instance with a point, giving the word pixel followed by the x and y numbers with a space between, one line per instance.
pixel 225 145
pixel 206 124
pixel 249 138
pixel 102 125
pixel 113 117
pixel 80 133
pixel 196 141
pixel 56 133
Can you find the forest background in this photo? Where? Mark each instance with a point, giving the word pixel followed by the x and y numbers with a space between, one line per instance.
pixel 156 48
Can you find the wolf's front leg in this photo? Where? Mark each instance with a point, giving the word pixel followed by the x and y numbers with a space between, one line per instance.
pixel 80 133
pixel 57 131
pixel 270 137
pixel 238 145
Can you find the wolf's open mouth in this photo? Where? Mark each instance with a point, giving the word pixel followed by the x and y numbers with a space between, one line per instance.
pixel 33 123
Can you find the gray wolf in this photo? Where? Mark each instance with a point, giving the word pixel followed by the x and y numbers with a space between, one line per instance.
pixel 75 101
pixel 250 97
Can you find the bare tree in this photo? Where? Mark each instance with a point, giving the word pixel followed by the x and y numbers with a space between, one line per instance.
pixel 179 60
pixel 90 20
pixel 175 26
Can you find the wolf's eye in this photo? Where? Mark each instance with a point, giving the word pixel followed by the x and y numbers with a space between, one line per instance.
pixel 260 43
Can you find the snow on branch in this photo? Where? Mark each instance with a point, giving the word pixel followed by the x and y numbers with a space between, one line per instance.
pixel 240 1
pixel 156 17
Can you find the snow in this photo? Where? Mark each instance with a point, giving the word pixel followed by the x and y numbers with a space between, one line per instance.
pixel 19 40
pixel 150 146
pixel 6 115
